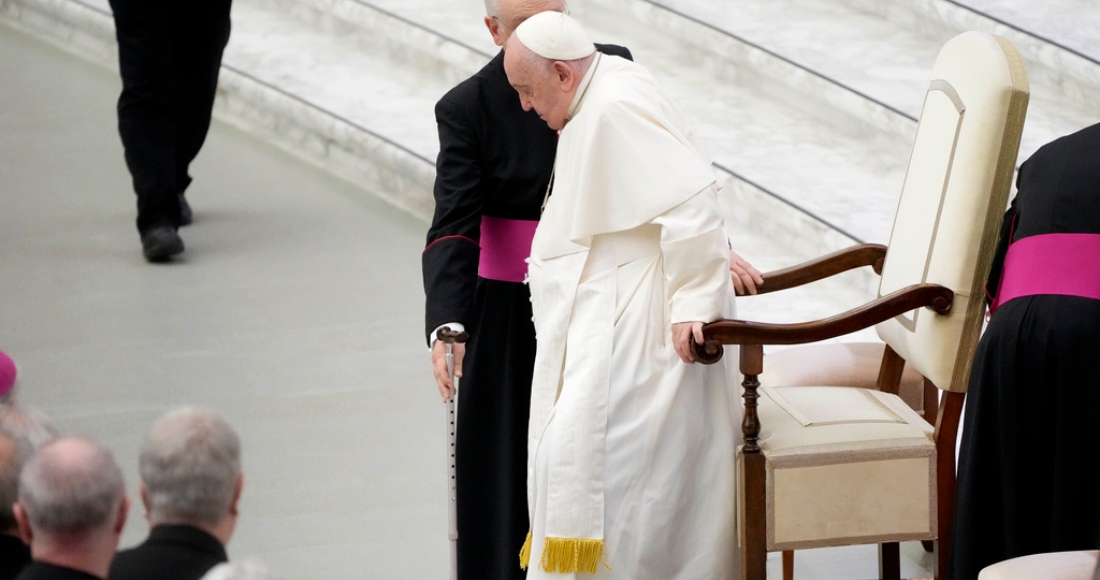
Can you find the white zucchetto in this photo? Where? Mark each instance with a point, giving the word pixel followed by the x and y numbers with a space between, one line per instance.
pixel 555 36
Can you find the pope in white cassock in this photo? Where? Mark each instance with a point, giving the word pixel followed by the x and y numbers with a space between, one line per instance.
pixel 631 446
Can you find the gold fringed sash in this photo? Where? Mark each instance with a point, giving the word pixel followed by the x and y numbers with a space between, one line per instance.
pixel 525 552
pixel 568 555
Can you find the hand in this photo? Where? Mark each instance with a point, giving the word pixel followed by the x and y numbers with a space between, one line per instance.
pixel 439 365
pixel 745 277
pixel 682 333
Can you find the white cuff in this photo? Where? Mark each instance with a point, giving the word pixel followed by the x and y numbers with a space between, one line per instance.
pixel 455 326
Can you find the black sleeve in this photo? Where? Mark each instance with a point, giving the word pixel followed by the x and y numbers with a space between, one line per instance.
pixel 451 255
pixel 615 50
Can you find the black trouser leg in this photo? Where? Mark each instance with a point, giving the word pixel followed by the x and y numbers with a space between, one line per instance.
pixel 201 34
pixel 169 56
pixel 146 115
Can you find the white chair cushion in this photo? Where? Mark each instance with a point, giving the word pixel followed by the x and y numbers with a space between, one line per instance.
pixel 1053 566
pixel 846 364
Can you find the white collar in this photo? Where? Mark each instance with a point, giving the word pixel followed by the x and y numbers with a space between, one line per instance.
pixel 582 88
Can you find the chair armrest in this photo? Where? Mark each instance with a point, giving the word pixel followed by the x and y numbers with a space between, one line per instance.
pixel 829 265
pixel 937 298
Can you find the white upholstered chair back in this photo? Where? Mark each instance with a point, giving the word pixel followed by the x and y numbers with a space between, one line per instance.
pixel 955 192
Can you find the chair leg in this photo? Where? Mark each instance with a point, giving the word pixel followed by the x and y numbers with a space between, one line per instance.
pixel 754 558
pixel 947 429
pixel 889 561
pixel 788 564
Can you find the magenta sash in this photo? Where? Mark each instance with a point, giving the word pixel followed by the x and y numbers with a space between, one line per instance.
pixel 505 247
pixel 1062 264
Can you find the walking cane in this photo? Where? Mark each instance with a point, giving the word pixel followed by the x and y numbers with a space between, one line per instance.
pixel 449 337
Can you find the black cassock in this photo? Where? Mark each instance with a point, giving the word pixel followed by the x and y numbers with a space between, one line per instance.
pixel 494 161
pixel 1028 478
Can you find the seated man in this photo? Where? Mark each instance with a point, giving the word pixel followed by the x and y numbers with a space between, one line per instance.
pixel 630 447
pixel 21 432
pixel 190 484
pixel 14 554
pixel 72 507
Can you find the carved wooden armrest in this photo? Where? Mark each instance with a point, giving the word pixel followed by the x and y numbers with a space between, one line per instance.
pixel 829 265
pixel 752 336
pixel 716 334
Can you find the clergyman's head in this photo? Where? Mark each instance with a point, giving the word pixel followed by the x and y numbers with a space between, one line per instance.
pixel 191 470
pixel 503 16
pixel 71 488
pixel 22 431
pixel 545 61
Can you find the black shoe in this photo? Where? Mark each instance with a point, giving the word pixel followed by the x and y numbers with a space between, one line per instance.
pixel 160 243
pixel 185 211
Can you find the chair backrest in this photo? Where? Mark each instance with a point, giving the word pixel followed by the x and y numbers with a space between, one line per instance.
pixel 955 192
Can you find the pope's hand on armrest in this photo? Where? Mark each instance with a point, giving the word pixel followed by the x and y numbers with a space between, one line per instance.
pixel 683 333
pixel 745 277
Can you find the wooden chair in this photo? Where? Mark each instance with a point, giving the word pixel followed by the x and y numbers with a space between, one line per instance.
pixel 828 466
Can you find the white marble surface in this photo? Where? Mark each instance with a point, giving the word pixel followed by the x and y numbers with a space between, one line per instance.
pixel 1074 24
pixel 869 47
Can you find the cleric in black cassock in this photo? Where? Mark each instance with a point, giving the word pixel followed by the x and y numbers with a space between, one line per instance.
pixel 1027 476
pixel 492 174
pixel 169 54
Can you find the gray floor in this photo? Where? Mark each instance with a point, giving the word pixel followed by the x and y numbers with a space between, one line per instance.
pixel 296 313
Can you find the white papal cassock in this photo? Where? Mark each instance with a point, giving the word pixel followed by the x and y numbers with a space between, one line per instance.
pixel 631 451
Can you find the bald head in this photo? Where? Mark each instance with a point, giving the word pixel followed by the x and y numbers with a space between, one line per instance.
pixel 71 487
pixel 503 16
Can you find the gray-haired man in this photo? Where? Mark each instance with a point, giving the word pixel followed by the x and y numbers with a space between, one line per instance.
pixel 190 485
pixel 71 510
pixel 21 432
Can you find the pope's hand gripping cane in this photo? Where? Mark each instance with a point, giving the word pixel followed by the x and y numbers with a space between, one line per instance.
pixel 449 337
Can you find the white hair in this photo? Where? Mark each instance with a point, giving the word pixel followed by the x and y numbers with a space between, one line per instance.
pixel 26 425
pixel 71 491
pixel 190 463
pixel 27 430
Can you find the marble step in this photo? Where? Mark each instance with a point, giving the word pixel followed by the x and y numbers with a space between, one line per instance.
pixel 765 228
pixel 458 27
pixel 879 52
pixel 1072 24
pixel 1064 80
pixel 367 117
pixel 795 148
